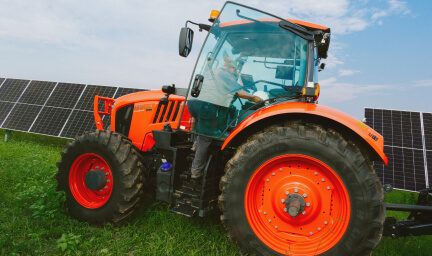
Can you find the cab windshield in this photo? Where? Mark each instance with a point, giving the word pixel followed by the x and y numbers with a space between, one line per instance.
pixel 246 53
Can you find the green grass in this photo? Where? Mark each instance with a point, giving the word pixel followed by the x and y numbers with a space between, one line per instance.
pixel 34 221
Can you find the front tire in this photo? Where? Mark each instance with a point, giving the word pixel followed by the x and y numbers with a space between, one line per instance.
pixel 116 188
pixel 340 198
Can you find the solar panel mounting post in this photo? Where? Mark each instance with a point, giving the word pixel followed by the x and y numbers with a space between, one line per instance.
pixel 7 134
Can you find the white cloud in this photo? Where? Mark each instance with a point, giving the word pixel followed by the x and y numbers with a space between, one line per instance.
pixel 422 83
pixel 346 72
pixel 395 7
pixel 337 92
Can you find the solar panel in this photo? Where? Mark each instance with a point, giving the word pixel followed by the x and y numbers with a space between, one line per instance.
pixel 83 120
pixel 404 134
pixel 427 122
pixel 51 108
pixel 65 95
pixel 21 117
pixel 50 121
pixel 37 92
pixel 12 89
pixel 5 108
pixel 123 91
pixel 87 100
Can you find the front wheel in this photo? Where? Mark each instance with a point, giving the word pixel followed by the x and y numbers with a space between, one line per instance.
pixel 300 190
pixel 102 176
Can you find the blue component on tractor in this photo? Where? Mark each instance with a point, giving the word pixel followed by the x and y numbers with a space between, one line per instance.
pixel 166 166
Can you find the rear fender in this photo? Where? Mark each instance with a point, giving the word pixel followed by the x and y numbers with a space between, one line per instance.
pixel 336 119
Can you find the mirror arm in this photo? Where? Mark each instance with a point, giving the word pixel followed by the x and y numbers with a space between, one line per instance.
pixel 200 25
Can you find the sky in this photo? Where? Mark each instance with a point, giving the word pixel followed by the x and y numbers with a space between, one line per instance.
pixel 379 52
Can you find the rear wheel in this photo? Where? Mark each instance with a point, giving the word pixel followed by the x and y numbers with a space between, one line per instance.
pixel 300 190
pixel 102 176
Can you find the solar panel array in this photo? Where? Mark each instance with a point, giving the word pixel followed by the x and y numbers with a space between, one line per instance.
pixel 52 108
pixel 407 144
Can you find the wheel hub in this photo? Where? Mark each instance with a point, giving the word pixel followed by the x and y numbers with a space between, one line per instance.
pixel 295 204
pixel 95 179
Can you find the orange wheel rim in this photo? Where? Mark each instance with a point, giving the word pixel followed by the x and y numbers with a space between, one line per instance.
pixel 322 221
pixel 86 197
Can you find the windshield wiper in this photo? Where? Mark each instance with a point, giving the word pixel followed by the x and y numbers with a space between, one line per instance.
pixel 254 20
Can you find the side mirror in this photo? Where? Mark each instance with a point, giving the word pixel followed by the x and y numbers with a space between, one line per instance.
pixel 185 41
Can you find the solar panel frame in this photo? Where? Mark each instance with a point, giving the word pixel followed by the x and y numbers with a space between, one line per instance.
pixel 66 95
pixel 12 89
pixel 427 123
pixel 86 102
pixel 21 117
pixel 404 145
pixel 50 121
pixel 5 108
pixel 124 91
pixel 42 107
pixel 37 92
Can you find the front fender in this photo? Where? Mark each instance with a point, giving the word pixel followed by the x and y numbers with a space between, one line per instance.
pixel 370 136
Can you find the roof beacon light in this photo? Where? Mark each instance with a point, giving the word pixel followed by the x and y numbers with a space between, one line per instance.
pixel 213 15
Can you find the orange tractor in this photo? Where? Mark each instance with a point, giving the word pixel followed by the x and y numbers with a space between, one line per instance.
pixel 290 176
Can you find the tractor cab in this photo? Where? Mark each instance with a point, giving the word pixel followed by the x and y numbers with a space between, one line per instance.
pixel 251 52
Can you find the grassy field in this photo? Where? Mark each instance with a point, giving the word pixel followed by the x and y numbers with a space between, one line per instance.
pixel 34 221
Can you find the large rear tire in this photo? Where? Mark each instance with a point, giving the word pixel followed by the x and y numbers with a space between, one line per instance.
pixel 102 176
pixel 335 188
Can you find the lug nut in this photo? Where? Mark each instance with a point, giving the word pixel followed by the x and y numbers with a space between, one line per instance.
pixel 103 168
pixel 267 180
pixel 273 174
pixel 316 173
pixel 283 200
pixel 322 179
pixel 265 213
pixel 276 227
pixel 285 210
pixel 269 220
pixel 325 222
pixel 296 190
pixel 311 233
pixel 97 167
pixel 304 195
pixel 280 169
pixel 286 192
pixel 106 174
pixel 319 229
pixel 108 181
pixel 100 190
pixel 303 212
pixel 328 187
pixel 307 204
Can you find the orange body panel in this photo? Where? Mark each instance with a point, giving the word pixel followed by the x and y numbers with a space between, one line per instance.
pixel 108 102
pixel 374 139
pixel 308 24
pixel 146 118
pixel 299 22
